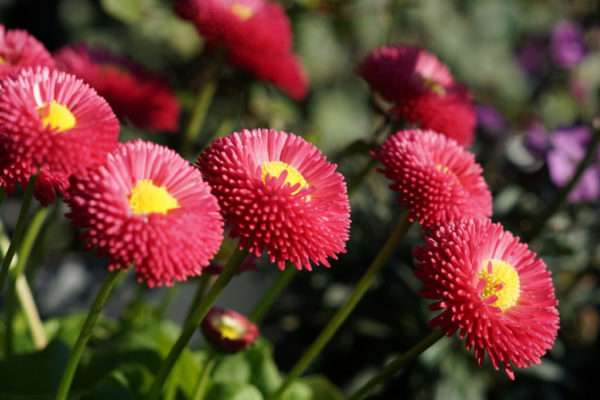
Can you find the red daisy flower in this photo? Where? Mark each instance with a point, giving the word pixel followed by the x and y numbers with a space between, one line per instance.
pixel 450 112
pixel 148 207
pixel 134 93
pixel 437 180
pixel 492 289
pixel 257 36
pixel 228 331
pixel 18 49
pixel 51 123
pixel 279 194
pixel 400 71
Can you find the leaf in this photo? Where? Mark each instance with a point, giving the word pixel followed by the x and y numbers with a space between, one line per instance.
pixel 322 389
pixel 265 374
pixel 128 11
pixel 233 391
pixel 232 369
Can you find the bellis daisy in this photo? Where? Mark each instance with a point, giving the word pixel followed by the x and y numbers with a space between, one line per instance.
pixel 400 71
pixel 279 194
pixel 228 331
pixel 436 179
pixel 18 49
pixel 134 93
pixel 148 207
pixel 492 289
pixel 256 35
pixel 53 124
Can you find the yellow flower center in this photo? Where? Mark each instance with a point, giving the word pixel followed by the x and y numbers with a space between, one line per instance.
pixel 434 86
pixel 228 327
pixel 56 116
pixel 501 280
pixel 2 60
pixel 242 11
pixel 147 198
pixel 276 168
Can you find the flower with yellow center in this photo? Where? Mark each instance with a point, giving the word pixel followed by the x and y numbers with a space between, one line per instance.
pixel 242 11
pixel 56 116
pixel 148 198
pixel 228 326
pixel 502 282
pixel 276 168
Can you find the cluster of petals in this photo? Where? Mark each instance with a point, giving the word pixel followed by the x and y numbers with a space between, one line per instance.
pixel 18 49
pixel 164 247
pixel 30 144
pixel 300 222
pixel 134 93
pixel 436 179
pixel 450 264
pixel 228 330
pixel 421 89
pixel 256 35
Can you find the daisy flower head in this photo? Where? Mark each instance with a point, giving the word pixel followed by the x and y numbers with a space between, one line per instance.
pixel 228 330
pixel 148 207
pixel 436 179
pixel 279 195
pixel 54 125
pixel 135 93
pixel 256 36
pixel 490 288
pixel 18 49
pixel 450 113
pixel 401 71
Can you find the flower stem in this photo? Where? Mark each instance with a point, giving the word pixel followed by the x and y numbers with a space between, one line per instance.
pixel 359 291
pixel 200 391
pixel 19 229
pixel 193 320
pixel 32 316
pixel 87 329
pixel 201 106
pixel 397 364
pixel 563 194
pixel 273 293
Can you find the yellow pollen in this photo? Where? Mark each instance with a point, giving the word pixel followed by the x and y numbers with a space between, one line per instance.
pixel 228 327
pixel 56 116
pixel 276 168
pixel 242 11
pixel 147 198
pixel 442 168
pixel 434 86
pixel 502 281
pixel 2 60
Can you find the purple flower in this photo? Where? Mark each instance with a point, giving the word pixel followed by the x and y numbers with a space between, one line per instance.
pixel 568 47
pixel 568 149
pixel 537 139
pixel 532 55
pixel 490 120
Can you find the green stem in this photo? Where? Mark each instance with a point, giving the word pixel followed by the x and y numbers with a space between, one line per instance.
pixel 359 291
pixel 32 316
pixel 203 284
pixel 563 194
pixel 200 391
pixel 87 329
pixel 397 364
pixel 273 293
pixel 166 301
pixel 19 229
pixel 201 106
pixel 193 320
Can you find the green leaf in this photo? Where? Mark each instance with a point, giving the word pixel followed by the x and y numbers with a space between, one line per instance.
pixel 233 391
pixel 128 11
pixel 265 374
pixel 232 369
pixel 322 389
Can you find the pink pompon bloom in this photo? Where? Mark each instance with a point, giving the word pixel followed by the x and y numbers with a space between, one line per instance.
pixel 256 35
pixel 450 113
pixel 437 180
pixel 401 71
pixel 148 207
pixel 134 93
pixel 280 195
pixel 490 288
pixel 18 49
pixel 228 331
pixel 54 125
